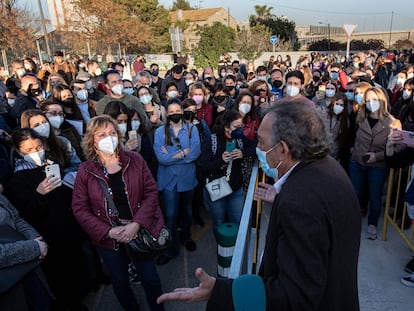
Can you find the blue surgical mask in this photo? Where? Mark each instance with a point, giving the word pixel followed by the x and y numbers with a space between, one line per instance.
pixel 128 90
pixel 145 99
pixel 269 171
pixel 350 96
pixel 358 98
pixel 334 75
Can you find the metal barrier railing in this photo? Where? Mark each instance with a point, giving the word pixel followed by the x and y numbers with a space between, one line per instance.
pixel 250 242
pixel 397 183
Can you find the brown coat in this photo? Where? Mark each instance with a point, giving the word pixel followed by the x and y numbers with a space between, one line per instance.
pixel 373 140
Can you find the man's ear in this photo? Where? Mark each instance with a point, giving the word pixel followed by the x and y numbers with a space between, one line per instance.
pixel 285 152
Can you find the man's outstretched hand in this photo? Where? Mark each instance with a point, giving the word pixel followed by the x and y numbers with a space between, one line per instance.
pixel 200 293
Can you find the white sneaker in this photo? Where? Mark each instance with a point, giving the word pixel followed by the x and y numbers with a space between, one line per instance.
pixel 372 232
pixel 408 280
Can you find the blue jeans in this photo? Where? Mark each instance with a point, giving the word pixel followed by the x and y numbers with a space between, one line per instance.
pixel 227 209
pixel 116 262
pixel 172 200
pixel 372 179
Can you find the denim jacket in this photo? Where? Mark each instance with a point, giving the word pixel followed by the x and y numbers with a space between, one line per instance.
pixel 180 172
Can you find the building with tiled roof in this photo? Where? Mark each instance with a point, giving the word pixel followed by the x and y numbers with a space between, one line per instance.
pixel 190 19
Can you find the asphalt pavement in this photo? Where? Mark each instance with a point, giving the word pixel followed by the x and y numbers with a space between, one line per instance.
pixel 381 265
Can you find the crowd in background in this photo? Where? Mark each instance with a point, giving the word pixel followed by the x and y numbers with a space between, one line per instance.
pixel 187 126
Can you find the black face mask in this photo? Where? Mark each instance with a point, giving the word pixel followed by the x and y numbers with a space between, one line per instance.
pixel 277 84
pixel 230 88
pixel 35 92
pixel 189 115
pixel 155 73
pixel 175 118
pixel 316 78
pixel 260 92
pixel 220 99
pixel 236 70
pixel 68 102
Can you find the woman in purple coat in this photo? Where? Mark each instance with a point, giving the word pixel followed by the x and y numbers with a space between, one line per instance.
pixel 134 192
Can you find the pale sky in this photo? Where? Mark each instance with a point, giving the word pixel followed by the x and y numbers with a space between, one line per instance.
pixel 369 15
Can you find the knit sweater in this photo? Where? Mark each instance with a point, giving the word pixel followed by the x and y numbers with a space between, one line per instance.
pixel 20 251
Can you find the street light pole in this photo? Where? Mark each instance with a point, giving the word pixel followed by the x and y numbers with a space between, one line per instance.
pixel 329 33
pixel 329 36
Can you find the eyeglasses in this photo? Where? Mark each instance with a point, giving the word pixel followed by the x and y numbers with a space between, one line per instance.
pixel 55 113
pixel 178 143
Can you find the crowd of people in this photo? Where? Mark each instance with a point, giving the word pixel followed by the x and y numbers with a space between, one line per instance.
pixel 154 141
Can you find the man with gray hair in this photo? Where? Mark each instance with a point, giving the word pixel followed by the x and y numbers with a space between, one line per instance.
pixel 312 243
pixel 144 78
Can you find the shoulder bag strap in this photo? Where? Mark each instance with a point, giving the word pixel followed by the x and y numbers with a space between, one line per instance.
pixel 111 202
pixel 228 171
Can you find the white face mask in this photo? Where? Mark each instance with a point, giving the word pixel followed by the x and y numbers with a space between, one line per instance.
pixel 145 99
pixel 20 72
pixel 98 72
pixel 262 78
pixel 56 121
pixel 36 157
pixel 108 144
pixel 330 93
pixel 373 105
pixel 292 90
pixel 43 129
pixel 135 124
pixel 337 109
pixel 117 89
pixel 122 128
pixel 188 82
pixel 82 95
pixel 410 75
pixel 399 81
pixel 172 94
pixel 245 108
pixel 406 94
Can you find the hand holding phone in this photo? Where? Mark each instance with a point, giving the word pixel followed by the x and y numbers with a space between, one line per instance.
pixel 407 138
pixel 53 170
pixel 230 145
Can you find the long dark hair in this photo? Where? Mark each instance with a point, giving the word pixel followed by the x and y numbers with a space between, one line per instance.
pixel 342 118
pixel 56 148
pixel 225 121
pixel 115 108
pixel 23 134
pixel 57 97
pixel 167 132
pixel 253 110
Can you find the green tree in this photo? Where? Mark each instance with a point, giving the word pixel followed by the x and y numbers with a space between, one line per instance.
pixel 157 18
pixel 263 11
pixel 251 42
pixel 181 5
pixel 104 23
pixel 214 41
pixel 278 25
pixel 18 27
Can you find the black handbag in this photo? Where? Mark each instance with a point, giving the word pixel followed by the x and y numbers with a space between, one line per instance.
pixel 144 245
pixel 10 276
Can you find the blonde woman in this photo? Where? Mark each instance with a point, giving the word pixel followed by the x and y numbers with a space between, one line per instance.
pixel 367 166
pixel 134 192
pixel 198 93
